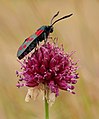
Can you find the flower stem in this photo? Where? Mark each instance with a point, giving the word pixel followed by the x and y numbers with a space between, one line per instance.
pixel 46 96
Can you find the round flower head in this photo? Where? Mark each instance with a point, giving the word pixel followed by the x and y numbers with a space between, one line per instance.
pixel 49 66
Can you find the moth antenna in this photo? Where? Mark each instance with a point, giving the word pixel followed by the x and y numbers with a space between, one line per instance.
pixel 62 18
pixel 54 17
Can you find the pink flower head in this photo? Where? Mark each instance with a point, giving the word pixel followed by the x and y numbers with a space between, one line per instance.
pixel 51 66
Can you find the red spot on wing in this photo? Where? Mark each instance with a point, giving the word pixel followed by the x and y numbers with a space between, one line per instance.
pixel 20 48
pixel 29 39
pixel 39 32
pixel 24 46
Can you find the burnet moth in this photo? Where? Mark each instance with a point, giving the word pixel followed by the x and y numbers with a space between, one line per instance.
pixel 41 34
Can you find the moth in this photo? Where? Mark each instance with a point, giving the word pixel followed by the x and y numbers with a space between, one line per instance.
pixel 41 34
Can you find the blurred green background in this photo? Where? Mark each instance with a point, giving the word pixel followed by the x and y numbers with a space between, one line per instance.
pixel 18 20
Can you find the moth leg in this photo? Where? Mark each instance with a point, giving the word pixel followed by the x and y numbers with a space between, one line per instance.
pixel 36 43
pixel 45 39
pixel 55 40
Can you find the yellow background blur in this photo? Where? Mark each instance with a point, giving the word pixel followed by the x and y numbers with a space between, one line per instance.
pixel 18 20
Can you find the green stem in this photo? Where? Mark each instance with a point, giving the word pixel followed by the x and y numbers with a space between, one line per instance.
pixel 46 96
